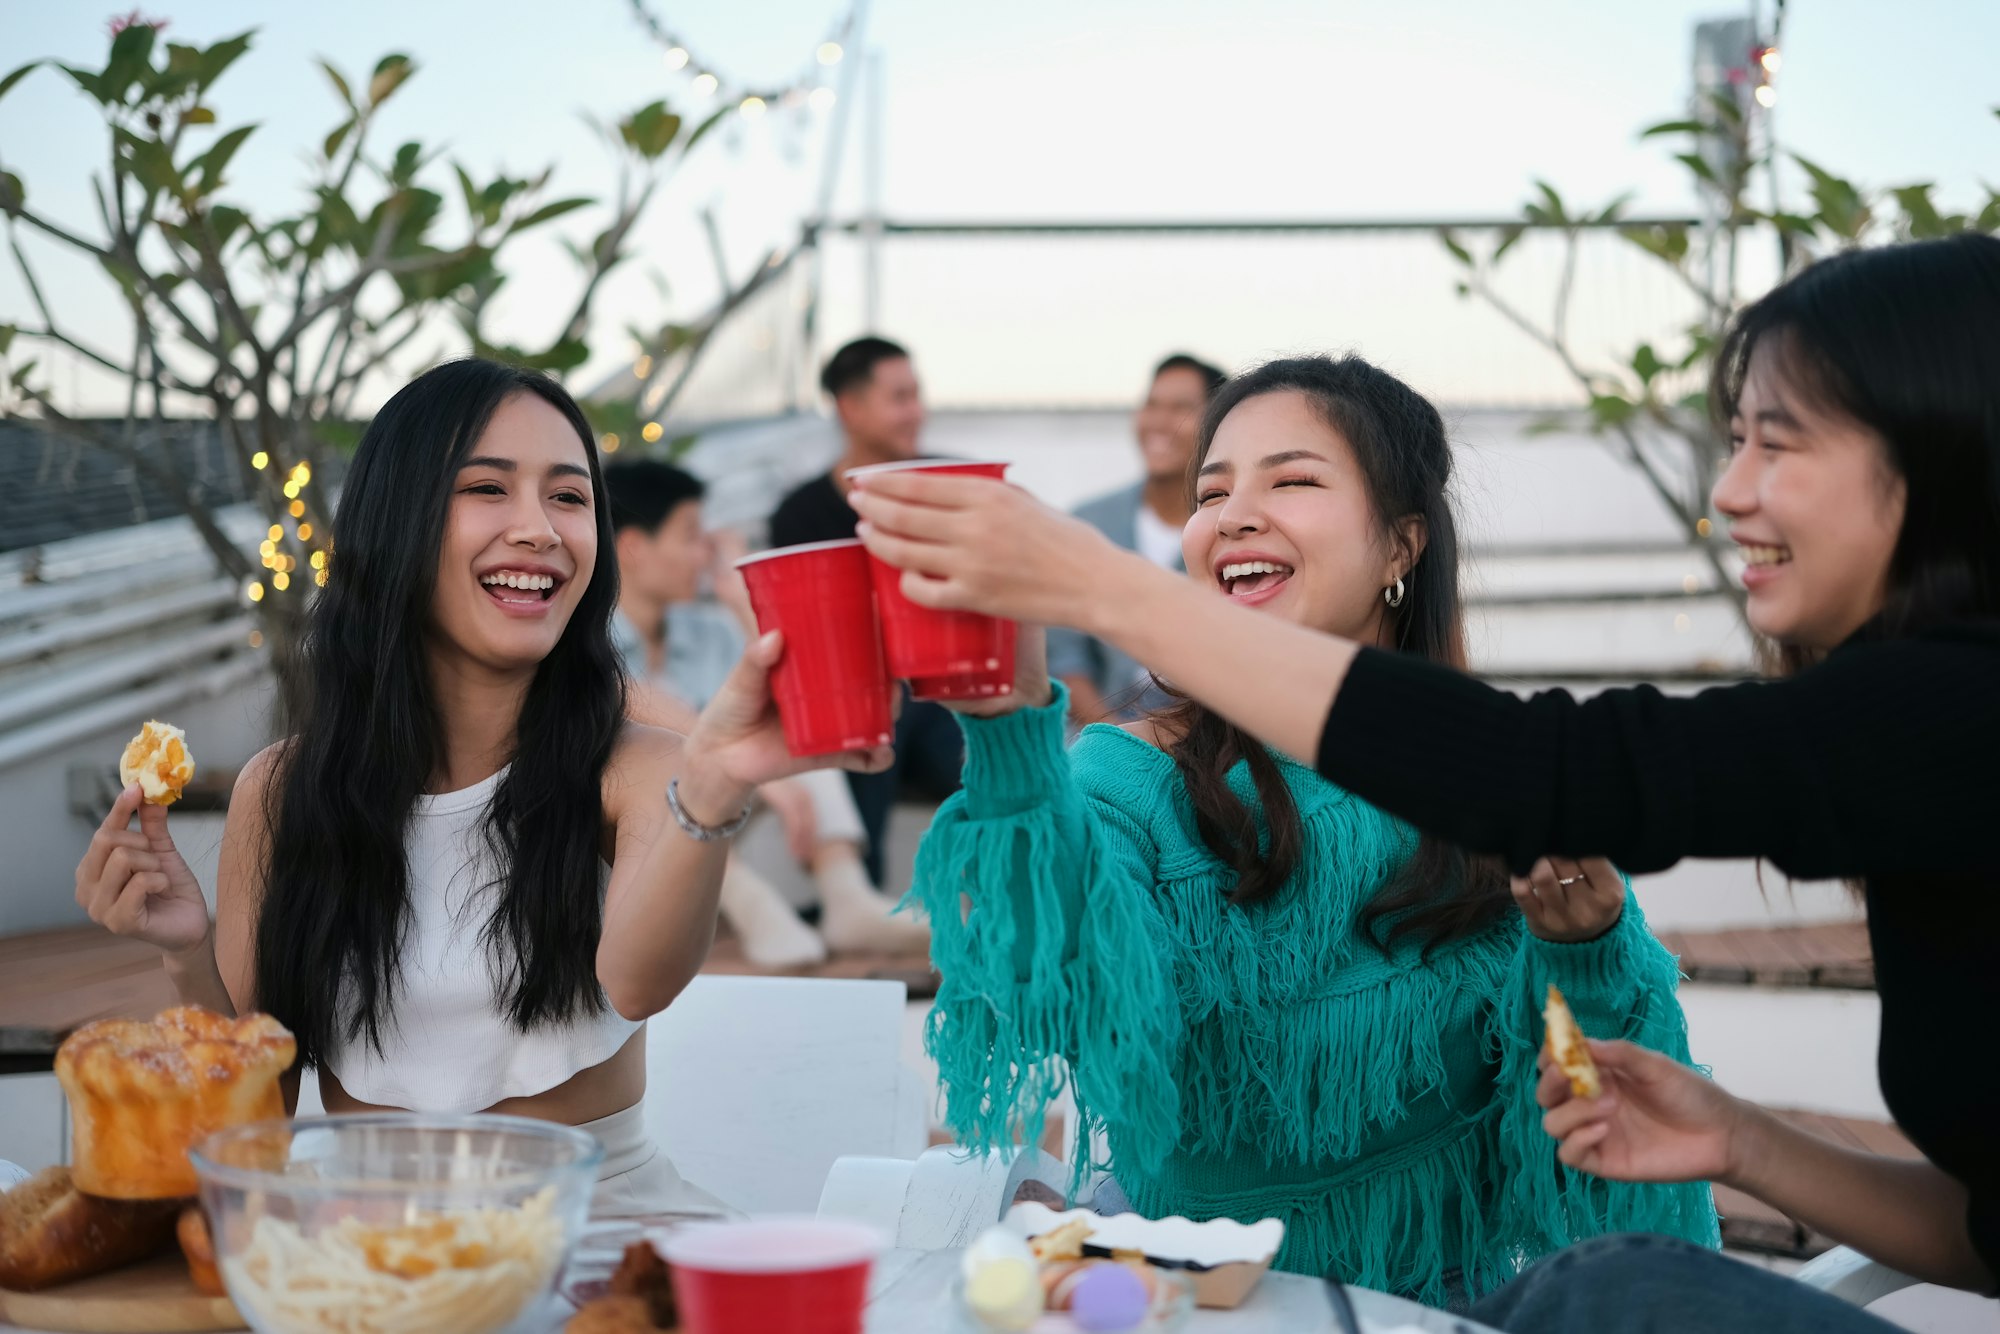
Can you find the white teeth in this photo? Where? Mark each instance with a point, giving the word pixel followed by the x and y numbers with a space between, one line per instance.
pixel 525 582
pixel 1761 555
pixel 1247 568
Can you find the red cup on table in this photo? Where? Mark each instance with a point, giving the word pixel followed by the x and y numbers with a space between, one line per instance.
pixel 942 654
pixel 772 1275
pixel 832 688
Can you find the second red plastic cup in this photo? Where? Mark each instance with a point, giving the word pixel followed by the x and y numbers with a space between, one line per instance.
pixel 942 654
pixel 832 687
pixel 772 1275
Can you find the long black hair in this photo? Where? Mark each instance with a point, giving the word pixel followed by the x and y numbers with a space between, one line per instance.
pixel 1904 339
pixel 365 740
pixel 1442 893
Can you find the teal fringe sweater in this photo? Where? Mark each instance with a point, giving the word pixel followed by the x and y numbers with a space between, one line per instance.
pixel 1265 1061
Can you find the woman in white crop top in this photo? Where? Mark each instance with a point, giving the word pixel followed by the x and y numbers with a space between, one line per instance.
pixel 458 880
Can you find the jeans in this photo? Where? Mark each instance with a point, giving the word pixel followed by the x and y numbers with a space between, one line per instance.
pixel 1660 1285
pixel 930 754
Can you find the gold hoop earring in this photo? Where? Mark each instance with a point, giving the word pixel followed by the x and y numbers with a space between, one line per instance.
pixel 1393 595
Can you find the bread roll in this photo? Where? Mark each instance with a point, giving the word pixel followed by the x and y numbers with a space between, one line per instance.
pixel 50 1232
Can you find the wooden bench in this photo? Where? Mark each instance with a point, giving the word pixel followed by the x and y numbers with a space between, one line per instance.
pixel 1831 954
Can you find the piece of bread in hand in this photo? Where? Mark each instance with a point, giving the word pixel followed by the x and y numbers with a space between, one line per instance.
pixel 51 1232
pixel 199 1250
pixel 158 761
pixel 1563 1040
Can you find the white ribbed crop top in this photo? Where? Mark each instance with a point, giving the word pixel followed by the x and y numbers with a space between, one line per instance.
pixel 448 1046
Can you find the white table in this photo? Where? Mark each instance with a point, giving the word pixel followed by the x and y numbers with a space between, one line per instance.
pixel 911 1288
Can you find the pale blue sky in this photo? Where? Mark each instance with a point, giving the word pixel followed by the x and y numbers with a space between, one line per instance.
pixel 1091 108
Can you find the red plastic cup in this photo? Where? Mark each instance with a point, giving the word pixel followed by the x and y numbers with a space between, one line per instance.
pixel 772 1275
pixel 942 654
pixel 832 689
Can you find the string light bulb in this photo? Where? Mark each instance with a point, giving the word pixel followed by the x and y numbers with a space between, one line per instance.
pixel 609 442
pixel 298 509
pixel 752 107
pixel 830 53
pixel 260 460
pixel 1766 95
pixel 320 578
pixel 1682 623
pixel 256 639
pixel 1769 59
pixel 291 490
pixel 677 58
pixel 305 532
pixel 651 432
pixel 706 83
pixel 281 581
pixel 255 592
pixel 642 368
pixel 822 99
pixel 1702 527
pixel 277 531
pixel 318 560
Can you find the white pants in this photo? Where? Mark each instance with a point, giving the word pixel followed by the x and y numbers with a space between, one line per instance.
pixel 636 1179
pixel 834 812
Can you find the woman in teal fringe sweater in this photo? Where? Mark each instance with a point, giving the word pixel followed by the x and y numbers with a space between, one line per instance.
pixel 1269 998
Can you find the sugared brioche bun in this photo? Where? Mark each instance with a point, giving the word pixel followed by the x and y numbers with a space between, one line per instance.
pixel 158 761
pixel 141 1093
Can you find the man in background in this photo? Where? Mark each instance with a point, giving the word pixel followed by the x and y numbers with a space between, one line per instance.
pixel 1105 684
pixel 880 407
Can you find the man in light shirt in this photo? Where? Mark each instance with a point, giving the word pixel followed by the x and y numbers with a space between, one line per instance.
pixel 1105 684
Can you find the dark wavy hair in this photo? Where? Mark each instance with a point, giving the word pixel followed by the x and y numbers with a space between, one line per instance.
pixel 1442 893
pixel 1904 339
pixel 365 740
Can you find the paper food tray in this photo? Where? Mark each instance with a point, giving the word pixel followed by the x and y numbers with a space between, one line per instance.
pixel 1222 1257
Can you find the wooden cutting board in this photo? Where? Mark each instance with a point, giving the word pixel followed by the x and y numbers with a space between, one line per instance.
pixel 156 1297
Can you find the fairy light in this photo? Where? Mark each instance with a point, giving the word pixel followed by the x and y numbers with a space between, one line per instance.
pixel 643 367
pixel 320 578
pixel 1682 623
pixel 822 99
pixel 1769 60
pixel 260 460
pixel 829 53
pixel 277 531
pixel 1766 95
pixel 705 83
pixel 608 442
pixel 677 58
pixel 1702 527
pixel 318 560
pixel 255 592
pixel 297 509
pixel 752 107
pixel 651 432
pixel 256 639
pixel 1690 584
pixel 281 581
pixel 291 490
pixel 305 532
pixel 267 548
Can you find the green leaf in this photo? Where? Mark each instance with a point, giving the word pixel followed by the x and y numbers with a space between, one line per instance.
pixel 337 138
pixel 409 157
pixel 198 116
pixel 1842 209
pixel 1463 289
pixel 390 72
pixel 1646 363
pixel 220 57
pixel 548 211
pixel 1727 107
pixel 701 130
pixel 183 60
pixel 224 222
pixel 1698 164
pixel 13 194
pixel 21 375
pixel 1451 243
pixel 7 332
pixel 131 58
pixel 215 160
pixel 1553 201
pixel 1667 241
pixel 678 447
pixel 339 85
pixel 1508 235
pixel 1674 127
pixel 1989 217
pixel 1920 216
pixel 1612 409
pixel 1610 211
pixel 85 79
pixel 650 130
pixel 151 164
pixel 7 84
pixel 1549 425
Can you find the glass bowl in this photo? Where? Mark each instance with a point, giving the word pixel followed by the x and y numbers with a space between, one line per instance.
pixel 395 1221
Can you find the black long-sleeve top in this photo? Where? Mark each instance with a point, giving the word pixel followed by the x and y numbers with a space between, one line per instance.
pixel 1880 764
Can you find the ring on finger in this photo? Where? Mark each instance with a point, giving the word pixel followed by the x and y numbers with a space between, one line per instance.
pixel 1575 879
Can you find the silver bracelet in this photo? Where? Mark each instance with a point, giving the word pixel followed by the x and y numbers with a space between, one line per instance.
pixel 694 828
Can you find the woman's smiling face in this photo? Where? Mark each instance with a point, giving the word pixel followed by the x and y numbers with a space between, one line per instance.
pixel 1283 520
pixel 520 542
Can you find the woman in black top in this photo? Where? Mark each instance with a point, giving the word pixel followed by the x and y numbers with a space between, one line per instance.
pixel 1864 491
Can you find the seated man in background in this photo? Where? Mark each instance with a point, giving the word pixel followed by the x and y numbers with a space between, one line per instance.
pixel 880 408
pixel 677 650
pixel 1104 684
